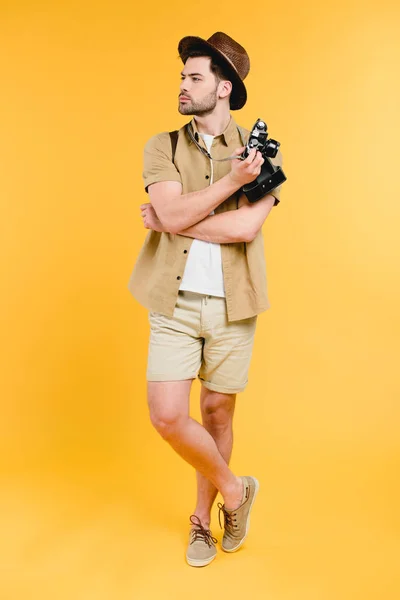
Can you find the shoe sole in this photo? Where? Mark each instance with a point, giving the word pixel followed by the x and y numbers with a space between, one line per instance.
pixel 199 562
pixel 257 487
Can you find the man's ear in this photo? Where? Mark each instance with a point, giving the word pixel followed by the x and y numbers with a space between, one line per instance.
pixel 225 88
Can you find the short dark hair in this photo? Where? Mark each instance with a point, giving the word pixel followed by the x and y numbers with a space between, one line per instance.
pixel 217 66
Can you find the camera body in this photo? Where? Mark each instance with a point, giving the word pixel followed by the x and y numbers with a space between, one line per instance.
pixel 271 176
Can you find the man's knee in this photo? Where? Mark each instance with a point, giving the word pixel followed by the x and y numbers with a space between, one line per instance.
pixel 168 407
pixel 165 421
pixel 217 409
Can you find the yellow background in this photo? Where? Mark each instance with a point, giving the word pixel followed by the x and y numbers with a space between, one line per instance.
pixel 93 504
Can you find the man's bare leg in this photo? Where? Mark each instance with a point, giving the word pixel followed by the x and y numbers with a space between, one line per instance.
pixel 217 414
pixel 169 413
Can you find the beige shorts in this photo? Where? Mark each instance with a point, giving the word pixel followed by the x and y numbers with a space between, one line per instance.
pixel 199 341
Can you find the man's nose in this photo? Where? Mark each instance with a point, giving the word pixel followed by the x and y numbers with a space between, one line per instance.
pixel 184 87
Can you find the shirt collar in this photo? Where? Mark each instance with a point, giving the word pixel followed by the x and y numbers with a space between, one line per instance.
pixel 227 135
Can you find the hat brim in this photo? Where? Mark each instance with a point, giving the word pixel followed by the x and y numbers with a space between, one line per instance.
pixel 239 93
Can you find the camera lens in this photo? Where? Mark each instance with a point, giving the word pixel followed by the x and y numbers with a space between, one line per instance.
pixel 271 148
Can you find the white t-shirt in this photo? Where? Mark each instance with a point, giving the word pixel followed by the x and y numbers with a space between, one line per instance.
pixel 203 272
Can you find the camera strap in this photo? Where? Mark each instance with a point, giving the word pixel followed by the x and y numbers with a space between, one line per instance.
pixel 174 142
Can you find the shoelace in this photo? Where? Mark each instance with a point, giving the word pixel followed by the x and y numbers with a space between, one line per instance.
pixel 201 533
pixel 229 520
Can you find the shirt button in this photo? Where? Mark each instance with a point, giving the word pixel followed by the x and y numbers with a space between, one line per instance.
pixel 185 252
pixel 207 177
pixel 178 277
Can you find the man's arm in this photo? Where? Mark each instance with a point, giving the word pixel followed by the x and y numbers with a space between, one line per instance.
pixel 240 225
pixel 178 211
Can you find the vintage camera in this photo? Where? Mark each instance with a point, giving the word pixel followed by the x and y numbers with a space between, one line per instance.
pixel 271 176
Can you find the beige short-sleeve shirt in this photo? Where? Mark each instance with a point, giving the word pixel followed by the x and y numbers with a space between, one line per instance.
pixel 156 276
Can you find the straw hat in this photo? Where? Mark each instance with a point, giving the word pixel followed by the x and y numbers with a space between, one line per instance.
pixel 232 55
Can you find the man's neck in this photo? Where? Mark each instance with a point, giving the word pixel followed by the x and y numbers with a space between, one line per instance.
pixel 213 124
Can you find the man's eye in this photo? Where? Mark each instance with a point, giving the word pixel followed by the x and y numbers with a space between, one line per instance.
pixel 196 79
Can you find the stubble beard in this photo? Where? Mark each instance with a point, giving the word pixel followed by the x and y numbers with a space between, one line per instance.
pixel 200 109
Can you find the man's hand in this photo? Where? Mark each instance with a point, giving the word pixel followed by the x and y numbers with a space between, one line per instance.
pixel 247 170
pixel 150 219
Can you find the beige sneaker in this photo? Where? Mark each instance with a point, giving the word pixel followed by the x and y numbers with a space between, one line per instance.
pixel 201 548
pixel 237 522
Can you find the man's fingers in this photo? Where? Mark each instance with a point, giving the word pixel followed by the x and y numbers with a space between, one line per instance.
pixel 239 151
pixel 260 159
pixel 250 157
pixel 257 164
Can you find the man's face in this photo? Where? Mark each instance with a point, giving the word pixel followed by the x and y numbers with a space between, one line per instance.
pixel 198 90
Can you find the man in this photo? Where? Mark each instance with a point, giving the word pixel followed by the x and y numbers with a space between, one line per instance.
pixel 201 274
